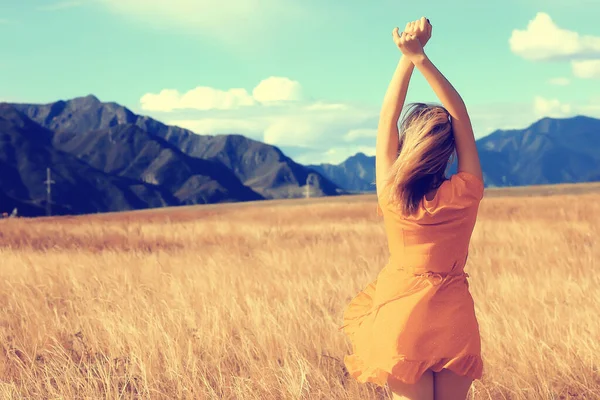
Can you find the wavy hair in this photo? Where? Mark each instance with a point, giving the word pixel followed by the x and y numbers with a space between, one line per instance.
pixel 425 148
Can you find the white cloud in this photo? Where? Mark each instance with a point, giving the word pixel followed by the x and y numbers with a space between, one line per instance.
pixel 559 81
pixel 557 109
pixel 589 69
pixel 276 89
pixel 293 122
pixel 243 24
pixel 269 92
pixel 275 113
pixel 543 107
pixel 167 100
pixel 543 40
pixel 305 128
pixel 206 98
pixel 326 106
pixel 353 134
pixel 212 126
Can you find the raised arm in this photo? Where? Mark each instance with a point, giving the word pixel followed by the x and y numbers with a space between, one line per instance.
pixel 468 158
pixel 386 148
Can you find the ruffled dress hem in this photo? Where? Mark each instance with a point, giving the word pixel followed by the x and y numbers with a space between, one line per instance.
pixel 410 371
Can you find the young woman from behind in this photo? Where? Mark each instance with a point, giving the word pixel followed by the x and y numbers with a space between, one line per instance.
pixel 414 328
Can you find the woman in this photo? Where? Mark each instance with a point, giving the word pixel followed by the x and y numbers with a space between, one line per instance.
pixel 414 327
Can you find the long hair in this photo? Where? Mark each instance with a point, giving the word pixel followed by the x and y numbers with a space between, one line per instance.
pixel 425 146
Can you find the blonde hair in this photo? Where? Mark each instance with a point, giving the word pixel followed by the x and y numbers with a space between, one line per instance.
pixel 426 145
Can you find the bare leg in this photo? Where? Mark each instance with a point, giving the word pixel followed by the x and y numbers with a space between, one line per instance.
pixel 422 390
pixel 450 386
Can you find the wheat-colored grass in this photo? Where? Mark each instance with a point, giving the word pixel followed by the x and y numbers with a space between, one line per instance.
pixel 243 301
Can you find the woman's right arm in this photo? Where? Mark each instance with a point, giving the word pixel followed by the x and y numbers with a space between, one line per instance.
pixel 466 149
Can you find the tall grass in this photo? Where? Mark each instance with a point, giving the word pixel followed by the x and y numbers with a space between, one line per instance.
pixel 244 301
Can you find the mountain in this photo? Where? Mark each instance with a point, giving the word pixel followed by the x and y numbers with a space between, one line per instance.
pixel 547 152
pixel 261 167
pixel 357 173
pixel 128 151
pixel 26 151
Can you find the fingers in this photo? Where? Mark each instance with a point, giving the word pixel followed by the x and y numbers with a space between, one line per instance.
pixel 396 35
pixel 401 38
pixel 407 37
pixel 420 25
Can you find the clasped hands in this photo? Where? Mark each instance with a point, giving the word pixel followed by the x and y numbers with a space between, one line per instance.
pixel 415 36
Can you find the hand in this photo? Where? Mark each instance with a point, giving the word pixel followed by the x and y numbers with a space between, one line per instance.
pixel 408 44
pixel 420 28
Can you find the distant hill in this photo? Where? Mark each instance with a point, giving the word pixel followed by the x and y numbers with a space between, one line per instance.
pixel 26 151
pixel 129 151
pixel 356 174
pixel 261 167
pixel 547 152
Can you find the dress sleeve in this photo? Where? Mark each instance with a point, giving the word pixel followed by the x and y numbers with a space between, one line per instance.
pixel 466 186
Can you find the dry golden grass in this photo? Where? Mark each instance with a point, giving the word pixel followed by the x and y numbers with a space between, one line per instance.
pixel 243 301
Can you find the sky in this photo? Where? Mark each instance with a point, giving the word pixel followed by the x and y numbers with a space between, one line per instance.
pixel 306 76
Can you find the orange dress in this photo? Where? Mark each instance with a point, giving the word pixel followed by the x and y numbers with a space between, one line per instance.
pixel 418 313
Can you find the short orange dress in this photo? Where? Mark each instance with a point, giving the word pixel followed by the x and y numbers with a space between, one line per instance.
pixel 418 313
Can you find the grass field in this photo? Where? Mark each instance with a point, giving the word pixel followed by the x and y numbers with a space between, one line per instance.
pixel 243 301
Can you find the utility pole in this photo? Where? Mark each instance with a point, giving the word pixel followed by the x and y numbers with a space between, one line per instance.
pixel 48 183
pixel 308 186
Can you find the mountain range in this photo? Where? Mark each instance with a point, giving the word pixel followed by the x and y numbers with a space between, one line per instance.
pixel 547 152
pixel 103 157
pixel 356 173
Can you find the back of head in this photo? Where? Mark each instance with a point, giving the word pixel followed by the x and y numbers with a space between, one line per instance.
pixel 426 144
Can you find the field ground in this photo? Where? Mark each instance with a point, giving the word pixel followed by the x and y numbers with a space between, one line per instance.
pixel 243 301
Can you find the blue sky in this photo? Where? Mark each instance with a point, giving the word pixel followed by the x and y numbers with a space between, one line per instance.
pixel 307 76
